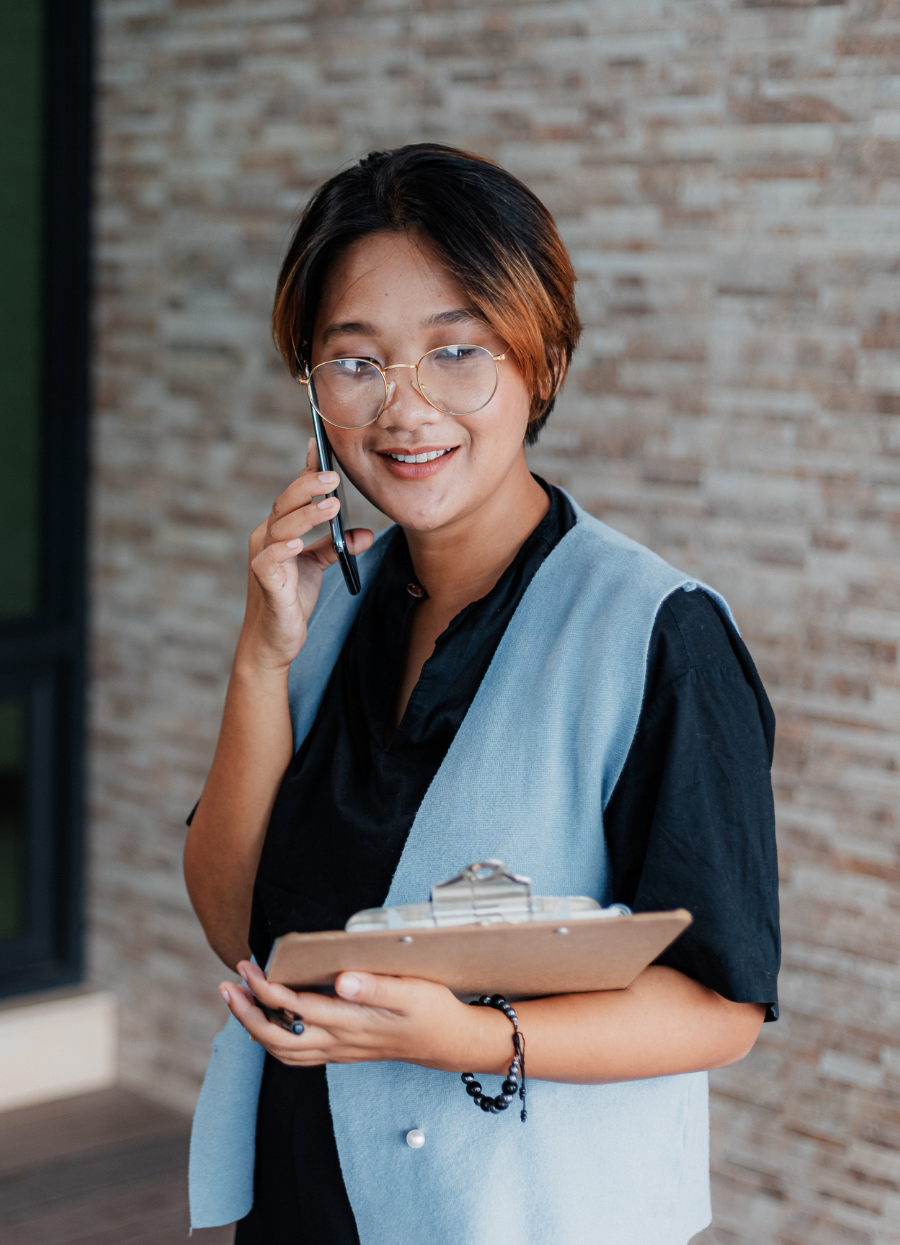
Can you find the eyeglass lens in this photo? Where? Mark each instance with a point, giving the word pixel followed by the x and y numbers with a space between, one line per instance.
pixel 457 380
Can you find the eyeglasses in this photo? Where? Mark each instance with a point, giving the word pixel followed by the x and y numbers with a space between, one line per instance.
pixel 352 393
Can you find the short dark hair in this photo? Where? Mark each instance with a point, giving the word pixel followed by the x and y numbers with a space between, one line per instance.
pixel 492 233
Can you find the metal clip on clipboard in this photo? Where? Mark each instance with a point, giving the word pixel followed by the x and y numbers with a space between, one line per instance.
pixel 485 893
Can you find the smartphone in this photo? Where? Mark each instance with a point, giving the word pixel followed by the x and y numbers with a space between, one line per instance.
pixel 338 539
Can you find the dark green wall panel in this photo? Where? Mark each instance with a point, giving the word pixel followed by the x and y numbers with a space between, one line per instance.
pixel 21 312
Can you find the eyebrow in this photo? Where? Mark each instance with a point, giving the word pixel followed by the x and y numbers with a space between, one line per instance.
pixel 362 328
pixel 359 327
pixel 458 316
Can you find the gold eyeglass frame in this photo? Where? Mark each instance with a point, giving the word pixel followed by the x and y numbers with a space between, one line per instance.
pixel 304 380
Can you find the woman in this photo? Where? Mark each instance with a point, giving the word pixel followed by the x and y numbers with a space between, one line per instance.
pixel 516 681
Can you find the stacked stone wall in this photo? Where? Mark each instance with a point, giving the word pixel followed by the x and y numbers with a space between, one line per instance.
pixel 727 177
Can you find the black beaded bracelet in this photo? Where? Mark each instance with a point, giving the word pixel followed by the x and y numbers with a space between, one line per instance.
pixel 510 1086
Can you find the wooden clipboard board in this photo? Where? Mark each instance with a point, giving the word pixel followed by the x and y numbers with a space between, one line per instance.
pixel 525 960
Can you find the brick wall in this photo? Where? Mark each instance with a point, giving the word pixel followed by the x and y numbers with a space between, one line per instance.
pixel 727 177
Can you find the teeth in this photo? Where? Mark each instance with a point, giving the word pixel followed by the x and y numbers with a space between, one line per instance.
pixel 419 458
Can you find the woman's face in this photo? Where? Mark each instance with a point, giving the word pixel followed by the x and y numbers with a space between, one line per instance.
pixel 389 299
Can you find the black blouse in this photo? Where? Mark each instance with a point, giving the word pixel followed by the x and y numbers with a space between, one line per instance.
pixel 690 824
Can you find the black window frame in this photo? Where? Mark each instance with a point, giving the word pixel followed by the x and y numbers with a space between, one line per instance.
pixel 43 658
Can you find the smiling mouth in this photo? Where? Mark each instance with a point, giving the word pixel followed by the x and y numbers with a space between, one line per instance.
pixel 428 457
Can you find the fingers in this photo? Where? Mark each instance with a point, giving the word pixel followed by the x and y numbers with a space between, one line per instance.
pixel 372 1017
pixel 270 993
pixel 317 1011
pixel 275 552
pixel 305 1050
pixel 258 538
pixel 393 994
pixel 242 1007
pixel 301 507
pixel 374 990
pixel 313 469
pixel 296 510
pixel 401 996
pixel 358 541
pixel 269 567
pixel 297 514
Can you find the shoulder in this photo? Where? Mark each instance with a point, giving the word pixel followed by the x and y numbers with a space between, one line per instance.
pixel 598 538
pixel 692 635
pixel 603 549
pixel 605 564
pixel 693 622
pixel 603 586
pixel 597 561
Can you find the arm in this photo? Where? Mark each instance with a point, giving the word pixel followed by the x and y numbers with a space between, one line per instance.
pixel 255 742
pixel 226 835
pixel 691 821
pixel 663 1023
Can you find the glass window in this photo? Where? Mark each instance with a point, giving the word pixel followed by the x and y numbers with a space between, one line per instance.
pixel 13 819
pixel 45 132
pixel 21 312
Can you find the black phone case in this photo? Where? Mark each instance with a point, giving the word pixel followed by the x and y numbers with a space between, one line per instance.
pixel 346 559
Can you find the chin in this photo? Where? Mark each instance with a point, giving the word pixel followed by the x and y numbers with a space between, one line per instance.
pixel 414 518
pixel 415 506
pixel 424 522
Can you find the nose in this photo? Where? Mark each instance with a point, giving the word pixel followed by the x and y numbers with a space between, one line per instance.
pixel 405 407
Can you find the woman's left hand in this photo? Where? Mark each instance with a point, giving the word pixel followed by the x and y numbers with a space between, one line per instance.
pixel 373 1017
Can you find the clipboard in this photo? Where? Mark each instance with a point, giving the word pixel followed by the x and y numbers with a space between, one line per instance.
pixel 484 932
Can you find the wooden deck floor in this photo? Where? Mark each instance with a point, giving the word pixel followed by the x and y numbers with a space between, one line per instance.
pixel 100 1169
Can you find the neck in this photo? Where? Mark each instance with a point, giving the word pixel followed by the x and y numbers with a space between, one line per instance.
pixel 460 563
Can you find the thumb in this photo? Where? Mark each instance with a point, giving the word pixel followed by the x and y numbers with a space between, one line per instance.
pixel 371 989
pixel 359 539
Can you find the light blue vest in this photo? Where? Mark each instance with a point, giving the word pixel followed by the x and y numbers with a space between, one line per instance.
pixel 526 779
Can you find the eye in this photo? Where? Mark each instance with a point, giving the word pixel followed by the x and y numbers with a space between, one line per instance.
pixel 354 369
pixel 456 356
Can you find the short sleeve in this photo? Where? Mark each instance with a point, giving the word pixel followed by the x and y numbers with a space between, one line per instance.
pixel 691 821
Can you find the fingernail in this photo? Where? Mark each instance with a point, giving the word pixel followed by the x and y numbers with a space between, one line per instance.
pixel 243 973
pixel 293 544
pixel 326 504
pixel 325 477
pixel 350 986
pixel 226 996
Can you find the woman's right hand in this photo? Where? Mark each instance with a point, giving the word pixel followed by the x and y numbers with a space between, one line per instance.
pixel 285 578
